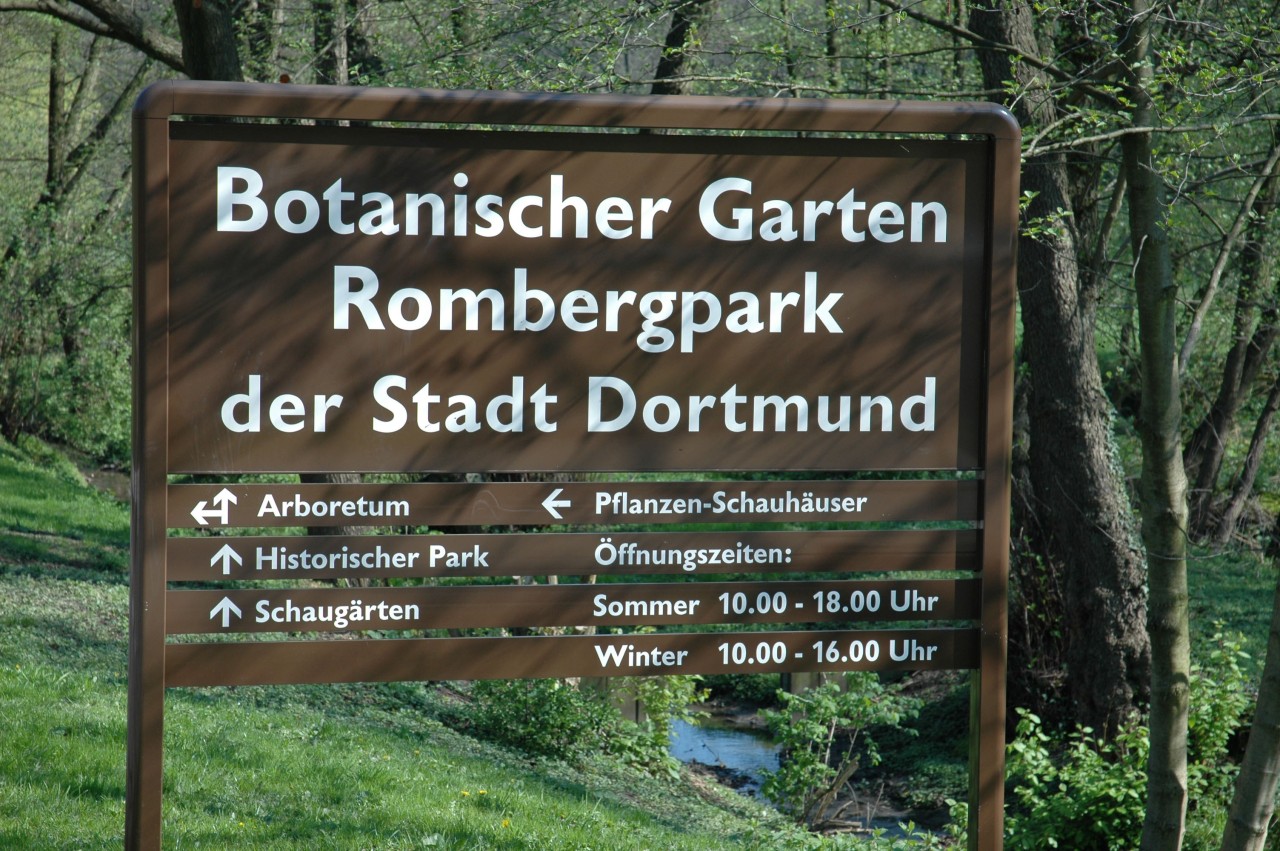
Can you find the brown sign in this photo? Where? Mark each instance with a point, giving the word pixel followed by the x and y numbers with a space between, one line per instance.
pixel 329 557
pixel 330 610
pixel 519 503
pixel 418 283
pixel 272 662
pixel 430 300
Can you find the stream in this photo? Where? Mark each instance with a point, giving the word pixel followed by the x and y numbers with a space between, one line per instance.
pixel 744 752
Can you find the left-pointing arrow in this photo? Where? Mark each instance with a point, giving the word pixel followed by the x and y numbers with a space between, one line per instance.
pixel 226 608
pixel 226 555
pixel 202 513
pixel 551 504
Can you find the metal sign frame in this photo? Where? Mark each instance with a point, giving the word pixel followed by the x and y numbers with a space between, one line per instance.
pixel 171 112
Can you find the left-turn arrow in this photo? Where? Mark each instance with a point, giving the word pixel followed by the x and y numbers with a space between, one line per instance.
pixel 224 500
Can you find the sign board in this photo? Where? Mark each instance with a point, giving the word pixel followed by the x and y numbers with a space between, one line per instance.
pixel 535 324
pixel 432 300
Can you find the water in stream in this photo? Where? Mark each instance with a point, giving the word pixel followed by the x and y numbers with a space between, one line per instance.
pixel 747 753
pixel 744 752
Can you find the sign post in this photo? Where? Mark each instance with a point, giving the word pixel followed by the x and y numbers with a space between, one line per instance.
pixel 475 297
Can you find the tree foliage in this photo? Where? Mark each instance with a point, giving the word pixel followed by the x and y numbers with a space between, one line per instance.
pixel 64 270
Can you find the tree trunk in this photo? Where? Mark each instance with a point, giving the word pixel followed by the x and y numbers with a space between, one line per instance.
pixel 1037 643
pixel 29 315
pixel 831 47
pixel 1254 801
pixel 1163 485
pixel 667 78
pixel 264 32
pixel 56 137
pixel 1078 487
pixel 332 64
pixel 365 66
pixel 209 49
pixel 1247 214
pixel 1243 487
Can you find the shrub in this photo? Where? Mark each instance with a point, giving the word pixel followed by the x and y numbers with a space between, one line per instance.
pixel 542 717
pixel 647 744
pixel 819 731
pixel 1090 794
pixel 754 689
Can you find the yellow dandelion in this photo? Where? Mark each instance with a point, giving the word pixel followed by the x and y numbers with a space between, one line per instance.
pixel 466 794
pixel 506 822
pixel 482 792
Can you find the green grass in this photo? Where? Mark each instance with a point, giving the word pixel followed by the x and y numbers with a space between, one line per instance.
pixel 298 767
pixel 1234 589
pixel 286 768
pixel 334 767
pixel 51 521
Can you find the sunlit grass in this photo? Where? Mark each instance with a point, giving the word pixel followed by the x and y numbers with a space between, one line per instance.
pixel 273 768
pixel 49 516
pixel 295 767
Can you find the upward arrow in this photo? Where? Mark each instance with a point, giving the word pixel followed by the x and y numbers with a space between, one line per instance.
pixel 225 608
pixel 226 555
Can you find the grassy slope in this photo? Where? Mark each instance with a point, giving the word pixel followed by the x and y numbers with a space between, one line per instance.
pixel 295 767
pixel 313 767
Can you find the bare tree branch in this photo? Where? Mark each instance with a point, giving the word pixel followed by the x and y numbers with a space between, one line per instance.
pixel 1121 132
pixel 1220 266
pixel 1104 97
pixel 111 19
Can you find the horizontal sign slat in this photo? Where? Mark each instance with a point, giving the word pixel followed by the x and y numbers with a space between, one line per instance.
pixel 328 610
pixel 567 554
pixel 544 504
pixel 281 662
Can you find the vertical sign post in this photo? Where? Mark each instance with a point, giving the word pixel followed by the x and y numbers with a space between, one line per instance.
pixel 474 296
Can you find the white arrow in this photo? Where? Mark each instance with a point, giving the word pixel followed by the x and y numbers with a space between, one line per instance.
pixel 224 500
pixel 226 555
pixel 202 513
pixel 225 608
pixel 551 503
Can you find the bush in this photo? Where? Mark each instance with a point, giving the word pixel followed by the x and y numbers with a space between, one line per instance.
pixel 542 717
pixel 1090 794
pixel 753 689
pixel 647 744
pixel 557 719
pixel 819 731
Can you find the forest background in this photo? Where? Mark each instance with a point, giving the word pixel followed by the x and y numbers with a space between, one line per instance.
pixel 1149 370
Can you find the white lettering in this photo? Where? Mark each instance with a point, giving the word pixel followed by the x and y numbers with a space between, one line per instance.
pixel 613 405
pixel 229 199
